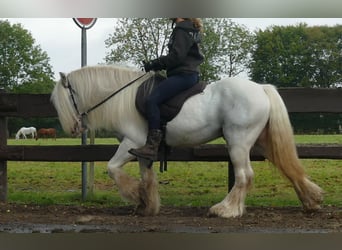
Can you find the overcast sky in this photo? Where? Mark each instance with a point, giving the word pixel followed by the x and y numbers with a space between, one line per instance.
pixel 61 38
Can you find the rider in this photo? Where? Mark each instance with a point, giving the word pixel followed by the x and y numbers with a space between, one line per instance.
pixel 182 68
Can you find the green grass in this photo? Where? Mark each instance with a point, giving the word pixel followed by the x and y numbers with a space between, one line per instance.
pixel 184 184
pixel 318 139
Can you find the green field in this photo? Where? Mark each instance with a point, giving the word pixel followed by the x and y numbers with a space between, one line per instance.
pixel 184 184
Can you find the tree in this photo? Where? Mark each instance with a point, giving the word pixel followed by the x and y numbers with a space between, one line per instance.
pixel 225 44
pixel 138 39
pixel 296 56
pixel 24 67
pixel 325 44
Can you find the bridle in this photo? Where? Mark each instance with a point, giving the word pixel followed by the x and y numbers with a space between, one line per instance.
pixel 82 116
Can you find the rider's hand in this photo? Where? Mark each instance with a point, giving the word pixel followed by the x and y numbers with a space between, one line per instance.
pixel 148 66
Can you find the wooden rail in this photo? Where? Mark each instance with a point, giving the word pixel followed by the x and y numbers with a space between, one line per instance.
pixel 207 152
pixel 299 100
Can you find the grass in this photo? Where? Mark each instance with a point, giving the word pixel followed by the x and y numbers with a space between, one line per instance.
pixel 184 184
pixel 318 139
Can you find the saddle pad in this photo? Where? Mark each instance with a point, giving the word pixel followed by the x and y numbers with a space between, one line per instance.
pixel 171 108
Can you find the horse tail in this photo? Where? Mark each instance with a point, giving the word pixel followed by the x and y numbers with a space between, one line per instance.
pixel 281 150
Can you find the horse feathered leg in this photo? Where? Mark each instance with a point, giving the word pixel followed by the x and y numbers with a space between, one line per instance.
pixel 242 125
pixel 143 193
pixel 233 204
pixel 128 186
pixel 148 190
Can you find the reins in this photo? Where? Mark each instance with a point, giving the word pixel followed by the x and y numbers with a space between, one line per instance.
pixel 71 91
pixel 101 102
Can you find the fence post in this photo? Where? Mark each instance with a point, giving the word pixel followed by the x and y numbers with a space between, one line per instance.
pixel 3 164
pixel 91 177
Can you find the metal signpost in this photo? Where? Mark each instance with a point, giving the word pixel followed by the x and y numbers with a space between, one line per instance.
pixel 84 24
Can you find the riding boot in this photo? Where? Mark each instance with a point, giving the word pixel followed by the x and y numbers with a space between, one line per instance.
pixel 150 150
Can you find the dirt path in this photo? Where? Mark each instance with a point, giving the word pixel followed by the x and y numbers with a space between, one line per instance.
pixel 47 219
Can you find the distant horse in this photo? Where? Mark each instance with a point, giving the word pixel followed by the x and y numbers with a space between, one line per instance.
pixel 243 112
pixel 46 132
pixel 26 131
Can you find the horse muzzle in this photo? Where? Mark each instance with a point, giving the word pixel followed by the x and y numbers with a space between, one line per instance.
pixel 78 128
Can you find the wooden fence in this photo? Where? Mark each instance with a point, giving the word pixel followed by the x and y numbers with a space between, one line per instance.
pixel 300 100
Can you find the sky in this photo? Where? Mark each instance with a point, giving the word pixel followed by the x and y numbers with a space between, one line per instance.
pixel 61 37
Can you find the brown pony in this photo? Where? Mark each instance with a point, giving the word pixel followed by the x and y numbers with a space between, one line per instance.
pixel 46 132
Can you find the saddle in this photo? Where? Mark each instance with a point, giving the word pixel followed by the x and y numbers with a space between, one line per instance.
pixel 168 110
pixel 171 108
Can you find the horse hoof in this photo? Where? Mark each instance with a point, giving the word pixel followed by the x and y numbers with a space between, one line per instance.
pixel 222 211
pixel 139 210
pixel 142 210
pixel 210 214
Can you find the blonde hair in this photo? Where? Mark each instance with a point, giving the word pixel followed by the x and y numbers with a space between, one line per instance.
pixel 197 23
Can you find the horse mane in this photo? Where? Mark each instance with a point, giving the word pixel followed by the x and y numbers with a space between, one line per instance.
pixel 91 86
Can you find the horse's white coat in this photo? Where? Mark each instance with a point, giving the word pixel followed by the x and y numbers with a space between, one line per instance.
pixel 26 131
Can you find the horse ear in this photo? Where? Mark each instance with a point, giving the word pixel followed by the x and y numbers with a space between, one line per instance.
pixel 63 79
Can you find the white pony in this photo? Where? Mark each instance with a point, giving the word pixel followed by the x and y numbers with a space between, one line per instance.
pixel 26 131
pixel 243 112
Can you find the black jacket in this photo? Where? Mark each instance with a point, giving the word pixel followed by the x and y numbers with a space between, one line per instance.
pixel 184 53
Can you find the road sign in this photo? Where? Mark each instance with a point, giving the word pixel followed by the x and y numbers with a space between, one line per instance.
pixel 85 23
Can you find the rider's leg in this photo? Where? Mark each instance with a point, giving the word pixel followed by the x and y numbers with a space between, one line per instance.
pixel 167 89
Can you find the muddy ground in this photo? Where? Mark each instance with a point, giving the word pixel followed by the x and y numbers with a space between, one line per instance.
pixel 47 219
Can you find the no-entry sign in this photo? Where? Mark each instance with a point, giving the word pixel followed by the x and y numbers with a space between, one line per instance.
pixel 85 23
